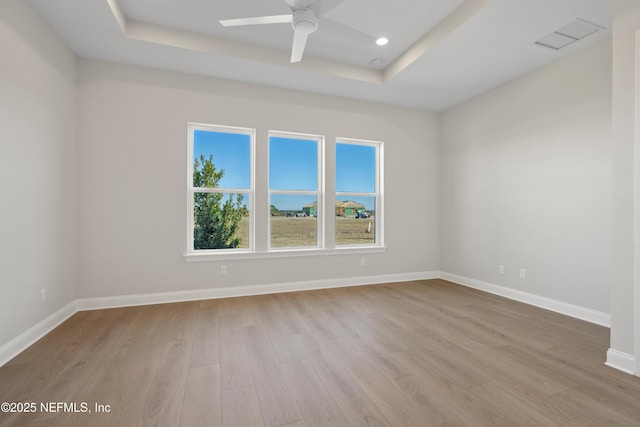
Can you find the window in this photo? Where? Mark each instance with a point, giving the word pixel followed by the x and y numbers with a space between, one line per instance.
pixel 294 211
pixel 358 193
pixel 221 189
pixel 295 199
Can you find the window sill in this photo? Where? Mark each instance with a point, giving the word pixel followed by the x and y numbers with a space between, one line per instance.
pixel 283 253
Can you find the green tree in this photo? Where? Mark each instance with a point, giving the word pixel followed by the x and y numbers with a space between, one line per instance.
pixel 274 211
pixel 215 222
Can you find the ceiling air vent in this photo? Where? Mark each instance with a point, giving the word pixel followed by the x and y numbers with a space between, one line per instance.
pixel 568 34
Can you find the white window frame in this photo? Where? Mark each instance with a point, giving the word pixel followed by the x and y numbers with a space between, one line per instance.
pixel 319 192
pixel 191 190
pixel 378 193
pixel 326 208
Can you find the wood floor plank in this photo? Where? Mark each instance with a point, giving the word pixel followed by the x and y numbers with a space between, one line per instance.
pixel 166 392
pixel 202 403
pixel 86 360
pixel 121 385
pixel 451 368
pixel 568 408
pixel 235 368
pixel 139 334
pixel 276 399
pixel 123 382
pixel 518 412
pixel 356 300
pixel 241 407
pixel 380 323
pixel 281 329
pixel 206 341
pixel 421 353
pixel 391 301
pixel 442 410
pixel 296 424
pixel 354 403
pixel 518 330
pixel 383 362
pixel 309 309
pixel 316 404
pixel 246 307
pixel 447 320
pixel 389 400
pixel 619 395
pixel 535 386
pixel 351 325
pixel 230 307
pixel 429 387
pixel 290 317
pixel 59 344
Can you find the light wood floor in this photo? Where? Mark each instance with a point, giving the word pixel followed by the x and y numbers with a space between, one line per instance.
pixel 406 354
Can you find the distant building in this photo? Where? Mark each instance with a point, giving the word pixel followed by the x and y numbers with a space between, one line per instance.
pixel 311 209
pixel 347 208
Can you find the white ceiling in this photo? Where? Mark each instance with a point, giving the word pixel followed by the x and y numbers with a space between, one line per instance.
pixel 441 52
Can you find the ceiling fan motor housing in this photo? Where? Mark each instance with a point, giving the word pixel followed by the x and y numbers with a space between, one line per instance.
pixel 304 21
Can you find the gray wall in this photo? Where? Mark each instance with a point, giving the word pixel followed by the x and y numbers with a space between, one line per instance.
pixel 132 146
pixel 37 170
pixel 526 182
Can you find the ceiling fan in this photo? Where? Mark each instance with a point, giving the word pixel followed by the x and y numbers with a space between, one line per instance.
pixel 303 18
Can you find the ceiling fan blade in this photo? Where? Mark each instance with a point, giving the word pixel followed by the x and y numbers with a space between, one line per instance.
pixel 258 20
pixel 299 42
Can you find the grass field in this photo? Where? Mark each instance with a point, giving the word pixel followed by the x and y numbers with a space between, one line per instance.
pixel 351 231
pixel 300 232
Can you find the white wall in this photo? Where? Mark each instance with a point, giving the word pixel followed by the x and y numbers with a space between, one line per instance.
pixel 625 116
pixel 526 183
pixel 132 172
pixel 37 179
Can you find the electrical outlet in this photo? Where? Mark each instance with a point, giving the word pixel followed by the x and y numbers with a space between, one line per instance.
pixel 523 273
pixel 363 261
pixel 43 295
pixel 501 269
pixel 223 270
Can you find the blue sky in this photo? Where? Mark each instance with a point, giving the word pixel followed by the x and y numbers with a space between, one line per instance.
pixel 292 166
pixel 231 152
pixel 355 168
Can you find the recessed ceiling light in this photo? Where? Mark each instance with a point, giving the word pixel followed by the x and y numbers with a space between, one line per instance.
pixel 381 41
pixel 377 62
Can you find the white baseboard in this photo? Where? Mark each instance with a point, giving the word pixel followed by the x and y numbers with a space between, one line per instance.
pixel 621 361
pixel 30 336
pixel 33 334
pixel 239 291
pixel 587 314
pixel 17 345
